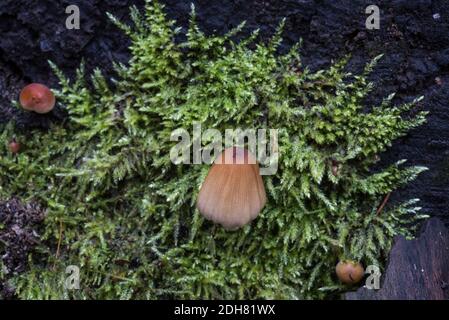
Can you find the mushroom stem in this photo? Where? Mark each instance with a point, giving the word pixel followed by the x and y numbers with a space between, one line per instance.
pixel 383 203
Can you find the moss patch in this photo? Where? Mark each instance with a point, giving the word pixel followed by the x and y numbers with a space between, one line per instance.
pixel 125 214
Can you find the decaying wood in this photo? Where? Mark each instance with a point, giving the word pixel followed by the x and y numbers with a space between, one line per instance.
pixel 417 269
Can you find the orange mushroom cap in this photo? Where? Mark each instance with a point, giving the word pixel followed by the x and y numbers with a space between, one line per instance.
pixel 38 98
pixel 350 272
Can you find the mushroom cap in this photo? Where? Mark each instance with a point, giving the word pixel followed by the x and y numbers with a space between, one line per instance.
pixel 233 193
pixel 350 272
pixel 14 147
pixel 38 98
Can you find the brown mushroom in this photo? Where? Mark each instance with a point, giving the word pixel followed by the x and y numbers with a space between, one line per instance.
pixel 350 272
pixel 233 193
pixel 14 146
pixel 335 168
pixel 38 98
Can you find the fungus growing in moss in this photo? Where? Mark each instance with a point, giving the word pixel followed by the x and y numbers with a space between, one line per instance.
pixel 233 193
pixel 14 146
pixel 38 98
pixel 335 168
pixel 349 272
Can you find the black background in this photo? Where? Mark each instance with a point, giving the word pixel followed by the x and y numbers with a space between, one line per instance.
pixel 165 309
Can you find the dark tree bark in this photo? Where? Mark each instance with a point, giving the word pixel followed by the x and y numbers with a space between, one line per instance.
pixel 417 269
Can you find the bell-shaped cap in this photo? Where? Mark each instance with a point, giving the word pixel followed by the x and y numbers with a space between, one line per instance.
pixel 233 193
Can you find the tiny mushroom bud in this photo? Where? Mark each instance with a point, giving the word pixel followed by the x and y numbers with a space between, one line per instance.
pixel 335 168
pixel 38 98
pixel 350 272
pixel 14 147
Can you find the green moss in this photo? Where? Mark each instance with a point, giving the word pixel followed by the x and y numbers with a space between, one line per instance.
pixel 128 214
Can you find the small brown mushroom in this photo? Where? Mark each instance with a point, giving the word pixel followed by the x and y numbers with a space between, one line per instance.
pixel 233 193
pixel 335 168
pixel 38 98
pixel 14 146
pixel 350 272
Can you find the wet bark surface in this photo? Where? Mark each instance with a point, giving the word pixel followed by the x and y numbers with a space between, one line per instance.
pixel 19 233
pixel 417 269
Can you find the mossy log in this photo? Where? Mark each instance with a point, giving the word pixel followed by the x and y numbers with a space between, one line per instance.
pixel 417 269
